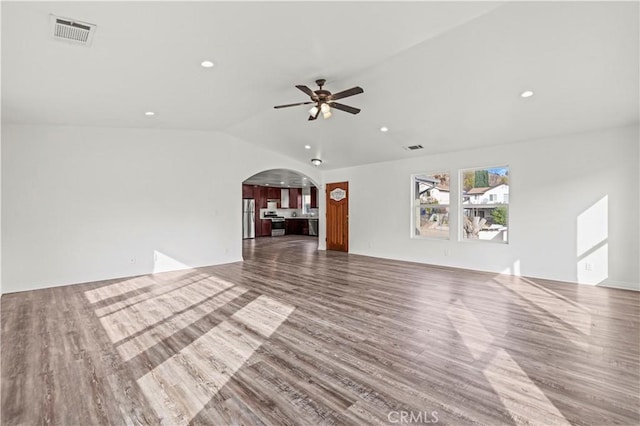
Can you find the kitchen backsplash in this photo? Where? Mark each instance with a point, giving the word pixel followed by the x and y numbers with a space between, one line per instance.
pixel 290 212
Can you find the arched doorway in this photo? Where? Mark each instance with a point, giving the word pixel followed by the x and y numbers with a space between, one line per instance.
pixel 279 203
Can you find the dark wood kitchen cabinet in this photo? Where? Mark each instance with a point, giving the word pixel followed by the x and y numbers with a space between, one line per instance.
pixel 248 191
pixel 261 203
pixel 290 227
pixel 314 197
pixel 295 198
pixel 265 227
pixel 273 193
pixel 296 226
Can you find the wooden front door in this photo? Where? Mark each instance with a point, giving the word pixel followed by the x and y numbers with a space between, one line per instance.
pixel 338 216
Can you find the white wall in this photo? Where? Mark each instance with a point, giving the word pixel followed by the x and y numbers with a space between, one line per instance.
pixel 0 216
pixel 79 203
pixel 573 200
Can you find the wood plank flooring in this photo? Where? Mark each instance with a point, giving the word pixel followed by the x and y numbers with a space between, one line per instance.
pixel 296 336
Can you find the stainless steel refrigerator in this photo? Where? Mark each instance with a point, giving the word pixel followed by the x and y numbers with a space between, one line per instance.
pixel 248 218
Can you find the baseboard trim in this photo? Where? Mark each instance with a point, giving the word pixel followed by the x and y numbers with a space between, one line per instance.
pixel 622 285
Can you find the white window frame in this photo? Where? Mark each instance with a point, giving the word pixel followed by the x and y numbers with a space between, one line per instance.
pixel 415 206
pixel 462 206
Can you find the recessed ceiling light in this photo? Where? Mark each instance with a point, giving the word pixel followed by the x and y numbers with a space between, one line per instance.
pixel 149 113
pixel 307 147
pixel 526 94
pixel 281 183
pixel 384 129
pixel 266 184
pixel 207 64
pixel 316 161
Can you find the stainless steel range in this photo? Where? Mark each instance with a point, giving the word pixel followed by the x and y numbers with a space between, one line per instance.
pixel 277 223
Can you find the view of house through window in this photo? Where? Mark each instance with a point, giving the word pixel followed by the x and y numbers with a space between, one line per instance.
pixel 431 205
pixel 485 204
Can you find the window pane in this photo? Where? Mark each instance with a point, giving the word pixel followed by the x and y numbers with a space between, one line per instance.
pixel 485 204
pixel 431 205
pixel 434 221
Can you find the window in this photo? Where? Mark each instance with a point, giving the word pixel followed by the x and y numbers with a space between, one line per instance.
pixel 306 200
pixel 431 205
pixel 485 204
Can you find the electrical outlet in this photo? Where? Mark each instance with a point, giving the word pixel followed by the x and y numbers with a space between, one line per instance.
pixel 588 267
pixel 447 252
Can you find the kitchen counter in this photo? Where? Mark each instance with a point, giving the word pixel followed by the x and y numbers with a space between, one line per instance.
pixel 301 217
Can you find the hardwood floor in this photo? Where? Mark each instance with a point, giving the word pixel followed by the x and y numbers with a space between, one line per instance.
pixel 296 336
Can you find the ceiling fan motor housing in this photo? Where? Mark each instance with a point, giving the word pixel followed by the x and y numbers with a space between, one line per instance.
pixel 322 94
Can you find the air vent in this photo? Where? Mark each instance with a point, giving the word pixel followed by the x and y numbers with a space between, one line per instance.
pixel 413 147
pixel 72 31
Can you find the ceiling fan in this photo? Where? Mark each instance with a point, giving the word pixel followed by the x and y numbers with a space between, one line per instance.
pixel 325 100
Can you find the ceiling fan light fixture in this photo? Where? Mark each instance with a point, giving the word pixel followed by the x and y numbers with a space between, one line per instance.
pixel 324 101
pixel 316 161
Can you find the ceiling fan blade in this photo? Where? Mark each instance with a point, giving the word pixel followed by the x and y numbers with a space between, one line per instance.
pixel 306 90
pixel 290 105
pixel 345 93
pixel 345 108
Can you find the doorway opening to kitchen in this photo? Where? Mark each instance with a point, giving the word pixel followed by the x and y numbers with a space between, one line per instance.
pixel 279 206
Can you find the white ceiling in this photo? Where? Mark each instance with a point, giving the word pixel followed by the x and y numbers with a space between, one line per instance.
pixel 443 75
pixel 281 178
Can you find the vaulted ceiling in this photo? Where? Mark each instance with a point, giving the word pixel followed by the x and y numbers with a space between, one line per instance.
pixel 445 75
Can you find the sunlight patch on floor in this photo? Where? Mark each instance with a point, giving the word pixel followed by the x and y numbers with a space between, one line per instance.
pixel 180 387
pixel 571 314
pixel 474 335
pixel 557 295
pixel 542 308
pixel 138 344
pixel 133 319
pixel 156 290
pixel 118 288
pixel 509 380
